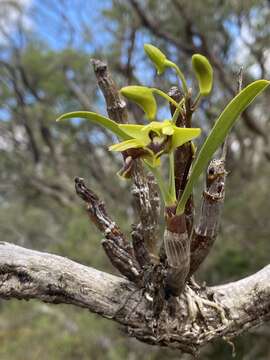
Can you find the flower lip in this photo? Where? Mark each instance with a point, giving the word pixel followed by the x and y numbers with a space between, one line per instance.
pixel 153 134
pixel 159 145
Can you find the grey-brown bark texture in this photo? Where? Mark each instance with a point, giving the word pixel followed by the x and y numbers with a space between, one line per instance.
pixel 222 311
pixel 156 300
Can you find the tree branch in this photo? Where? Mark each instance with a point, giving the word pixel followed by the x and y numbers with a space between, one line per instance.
pixel 227 310
pixel 116 107
pixel 156 28
pixel 145 193
pixel 115 244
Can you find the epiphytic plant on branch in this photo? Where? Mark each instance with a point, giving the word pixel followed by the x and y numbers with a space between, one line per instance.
pixel 183 247
pixel 158 300
pixel 163 269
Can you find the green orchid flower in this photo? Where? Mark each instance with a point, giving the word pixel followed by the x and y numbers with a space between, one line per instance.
pixel 153 140
pixel 150 142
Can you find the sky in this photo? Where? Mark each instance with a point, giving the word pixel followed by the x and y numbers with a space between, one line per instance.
pixel 56 29
pixel 49 20
pixel 54 21
pixel 91 31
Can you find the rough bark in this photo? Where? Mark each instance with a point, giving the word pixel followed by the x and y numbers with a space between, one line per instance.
pixel 115 244
pixel 222 311
pixel 144 191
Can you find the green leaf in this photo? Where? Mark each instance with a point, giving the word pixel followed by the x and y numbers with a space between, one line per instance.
pixel 217 135
pixel 156 56
pixel 98 119
pixel 204 73
pixel 142 96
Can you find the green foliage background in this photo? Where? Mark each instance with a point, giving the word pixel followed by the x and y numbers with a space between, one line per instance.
pixel 40 158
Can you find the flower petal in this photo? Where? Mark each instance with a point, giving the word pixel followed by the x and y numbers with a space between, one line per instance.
pixel 183 135
pixel 155 126
pixel 125 145
pixel 136 132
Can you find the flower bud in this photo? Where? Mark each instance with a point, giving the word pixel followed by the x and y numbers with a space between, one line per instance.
pixel 204 73
pixel 142 96
pixel 156 56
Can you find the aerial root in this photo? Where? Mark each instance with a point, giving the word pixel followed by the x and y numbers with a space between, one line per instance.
pixel 196 306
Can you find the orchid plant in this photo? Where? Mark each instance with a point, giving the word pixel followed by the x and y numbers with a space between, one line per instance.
pixel 158 139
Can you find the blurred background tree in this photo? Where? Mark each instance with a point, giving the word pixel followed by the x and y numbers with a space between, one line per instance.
pixel 45 48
